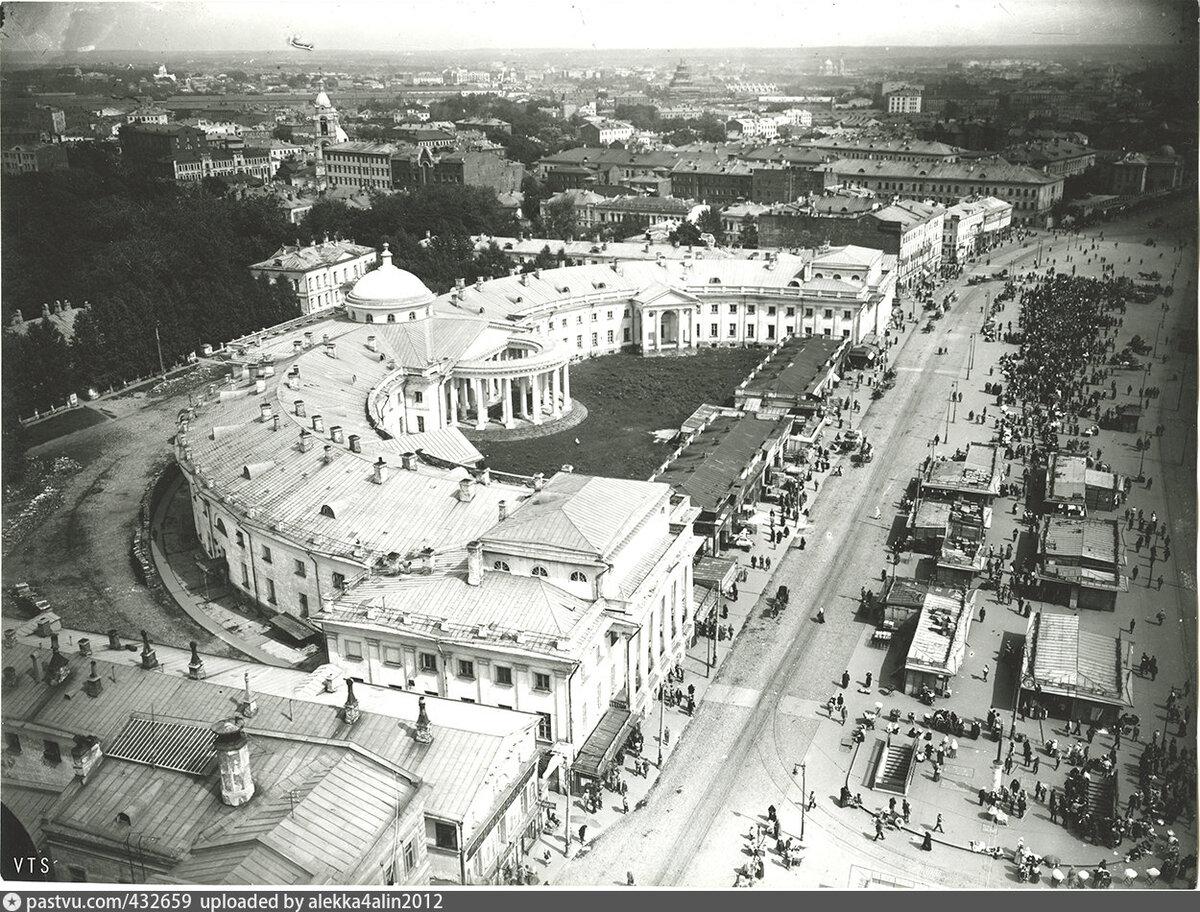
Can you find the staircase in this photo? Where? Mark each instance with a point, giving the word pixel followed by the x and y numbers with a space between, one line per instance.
pixel 893 768
pixel 1102 796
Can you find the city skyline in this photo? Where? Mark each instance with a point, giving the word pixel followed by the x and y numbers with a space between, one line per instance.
pixel 49 29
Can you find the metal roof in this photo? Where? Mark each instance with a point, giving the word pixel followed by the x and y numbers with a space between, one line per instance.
pixel 178 746
pixel 1061 658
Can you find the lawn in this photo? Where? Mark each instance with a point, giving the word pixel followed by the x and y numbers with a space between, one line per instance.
pixel 61 424
pixel 628 397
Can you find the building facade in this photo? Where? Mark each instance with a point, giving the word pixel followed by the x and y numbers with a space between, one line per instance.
pixel 360 165
pixel 320 273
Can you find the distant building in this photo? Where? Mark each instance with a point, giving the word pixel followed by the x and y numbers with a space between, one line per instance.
pixel 144 144
pixel 359 164
pixel 719 183
pixel 319 273
pixel 196 166
pixel 905 100
pixel 1064 159
pixel 419 166
pixel 486 124
pixel 604 132
pixel 972 226
pixel 148 114
pixel 737 218
pixel 31 158
pixel 1151 172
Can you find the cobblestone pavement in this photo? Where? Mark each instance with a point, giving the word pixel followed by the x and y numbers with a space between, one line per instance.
pixel 763 715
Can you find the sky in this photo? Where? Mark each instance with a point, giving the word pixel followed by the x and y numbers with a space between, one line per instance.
pixel 594 24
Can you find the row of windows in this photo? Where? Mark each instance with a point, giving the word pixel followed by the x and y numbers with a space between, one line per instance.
pixel 427 663
pixel 539 570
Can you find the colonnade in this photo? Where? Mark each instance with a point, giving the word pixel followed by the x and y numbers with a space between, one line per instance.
pixel 533 397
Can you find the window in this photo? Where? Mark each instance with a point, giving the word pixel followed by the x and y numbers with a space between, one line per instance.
pixel 270 590
pixel 845 315
pixel 771 332
pixel 392 655
pixel 466 669
pixel 578 318
pixel 579 341
pixel 808 311
pixel 751 309
pixel 608 315
pixel 578 577
pixel 541 681
pixel 733 308
pixel 221 527
pixel 266 554
pixel 301 569
pixel 715 309
pixel 420 424
pixel 611 338
pixel 625 333
pixel 504 676
pixel 245 577
pixel 733 329
pixel 595 316
pixel 241 540
pixel 538 570
pixel 500 565
pixel 12 742
pixel 595 339
pixel 51 752
pixel 428 662
pixel 353 651
pixel 418 397
pixel 303 605
pixel 446 836
pixel 545 727
pixel 339 580
pixel 410 856
pixel 750 332
pixel 828 313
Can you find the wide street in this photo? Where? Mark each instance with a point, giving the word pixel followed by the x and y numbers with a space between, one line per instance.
pixel 760 718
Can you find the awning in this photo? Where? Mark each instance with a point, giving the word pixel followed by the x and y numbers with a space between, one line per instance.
pixel 293 627
pixel 603 743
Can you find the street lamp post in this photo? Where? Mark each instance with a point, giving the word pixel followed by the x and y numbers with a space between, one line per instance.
pixel 662 708
pixel 803 797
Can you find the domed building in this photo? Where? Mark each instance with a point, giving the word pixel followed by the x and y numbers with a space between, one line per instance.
pixel 388 294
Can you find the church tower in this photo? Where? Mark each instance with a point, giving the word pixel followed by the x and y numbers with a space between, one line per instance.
pixel 326 130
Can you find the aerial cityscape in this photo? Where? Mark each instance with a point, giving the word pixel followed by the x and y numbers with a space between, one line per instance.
pixel 599 445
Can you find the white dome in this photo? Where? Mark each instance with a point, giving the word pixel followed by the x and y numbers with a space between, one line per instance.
pixel 388 288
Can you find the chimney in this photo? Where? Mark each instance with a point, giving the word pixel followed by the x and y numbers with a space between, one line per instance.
pixel 93 685
pixel 381 471
pixel 274 422
pixel 485 477
pixel 266 412
pixel 86 753
pixel 355 443
pixel 318 424
pixel 195 664
pixel 58 667
pixel 336 434
pixel 423 733
pixel 35 668
pixel 371 344
pixel 85 646
pixel 474 563
pixel 233 758
pixel 299 405
pixel 328 453
pixel 539 481
pixel 297 346
pixel 478 283
pixel 305 441
pixel 465 492
pixel 409 461
pixel 308 339
pixel 247 705
pixel 114 641
pixel 503 510
pixel 260 386
pixel 460 284
pixel 350 712
pixel 149 659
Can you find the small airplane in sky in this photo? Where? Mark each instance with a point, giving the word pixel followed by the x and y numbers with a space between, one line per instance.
pixel 295 42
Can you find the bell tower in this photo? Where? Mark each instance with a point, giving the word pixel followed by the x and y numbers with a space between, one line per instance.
pixel 326 131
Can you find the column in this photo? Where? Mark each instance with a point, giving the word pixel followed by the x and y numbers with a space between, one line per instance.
pixel 523 386
pixel 555 388
pixel 658 326
pixel 566 372
pixel 453 403
pixel 480 406
pixel 508 403
pixel 536 383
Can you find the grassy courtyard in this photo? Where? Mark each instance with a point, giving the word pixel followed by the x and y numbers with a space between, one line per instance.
pixel 628 398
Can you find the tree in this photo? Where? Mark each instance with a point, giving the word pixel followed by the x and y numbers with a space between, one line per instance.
pixel 686 235
pixel 749 236
pixel 709 222
pixel 560 220
pixel 628 226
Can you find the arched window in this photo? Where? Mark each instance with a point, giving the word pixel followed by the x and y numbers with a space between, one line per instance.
pixel 412 314
pixel 391 318
pixel 838 276
pixel 793 284
pixel 370 318
pixel 221 527
pixel 856 277
pixel 538 570
pixel 500 565
pixel 819 275
pixel 714 281
pixel 578 577
pixel 327 510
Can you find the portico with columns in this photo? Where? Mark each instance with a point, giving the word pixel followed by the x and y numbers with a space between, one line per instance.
pixel 669 319
pixel 534 389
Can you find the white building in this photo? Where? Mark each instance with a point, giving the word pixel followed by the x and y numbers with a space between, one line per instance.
pixel 362 165
pixel 318 273
pixel 973 225
pixel 906 100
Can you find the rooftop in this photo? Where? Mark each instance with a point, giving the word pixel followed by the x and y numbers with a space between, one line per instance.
pixel 992 170
pixel 796 369
pixel 296 258
pixel 1061 658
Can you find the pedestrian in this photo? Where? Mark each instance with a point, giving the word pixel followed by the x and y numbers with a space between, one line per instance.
pixel 868 679
pixel 878 828
pixel 927 842
pixel 982 615
pixel 937 827
pixel 812 801
pixel 583 834
pixel 629 878
pixel 985 673
pixel 845 679
pixel 1037 761
pixel 1054 806
pixel 1160 585
pixel 1132 622
pixel 1153 667
pixel 906 809
pixel 624 804
pixel 843 714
